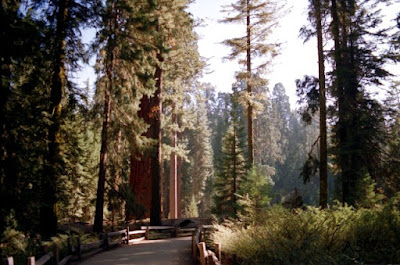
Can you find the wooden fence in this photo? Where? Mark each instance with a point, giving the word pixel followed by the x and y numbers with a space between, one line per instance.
pixel 109 240
pixel 199 248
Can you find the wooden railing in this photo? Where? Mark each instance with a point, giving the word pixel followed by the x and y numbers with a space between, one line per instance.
pixel 200 254
pixel 81 251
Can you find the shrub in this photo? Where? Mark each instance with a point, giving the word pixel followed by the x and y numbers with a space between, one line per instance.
pixel 339 235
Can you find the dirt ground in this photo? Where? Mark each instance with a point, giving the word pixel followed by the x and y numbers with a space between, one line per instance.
pixel 173 251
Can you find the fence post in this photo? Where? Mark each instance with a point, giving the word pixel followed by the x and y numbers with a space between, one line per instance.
pixel 202 237
pixel 31 261
pixel 147 235
pixel 234 259
pixel 127 235
pixel 56 254
pixel 203 253
pixel 218 251
pixel 194 247
pixel 10 261
pixel 106 241
pixel 78 249
pixel 69 246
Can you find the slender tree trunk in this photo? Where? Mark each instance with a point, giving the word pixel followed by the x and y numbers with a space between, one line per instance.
pixel 250 130
pixel 155 211
pixel 115 210
pixel 323 166
pixel 179 172
pixel 341 133
pixel 48 215
pixel 179 185
pixel 173 183
pixel 98 220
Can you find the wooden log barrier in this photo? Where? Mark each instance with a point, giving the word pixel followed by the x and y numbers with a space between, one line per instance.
pixel 218 251
pixel 203 253
pixel 212 258
pixel 43 260
pixel 31 261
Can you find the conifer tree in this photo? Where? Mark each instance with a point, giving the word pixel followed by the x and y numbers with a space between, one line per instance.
pixel 165 35
pixel 21 57
pixel 259 16
pixel 357 64
pixel 231 170
pixel 201 165
pixel 316 15
pixel 182 67
pixel 270 129
pixel 126 69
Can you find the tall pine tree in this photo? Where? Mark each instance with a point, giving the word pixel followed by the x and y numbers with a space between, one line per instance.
pixel 259 17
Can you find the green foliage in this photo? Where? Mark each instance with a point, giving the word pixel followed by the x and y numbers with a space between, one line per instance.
pixel 308 93
pixel 340 235
pixel 16 244
pixel 367 197
pixel 192 209
pixel 201 170
pixel 230 175
pixel 256 187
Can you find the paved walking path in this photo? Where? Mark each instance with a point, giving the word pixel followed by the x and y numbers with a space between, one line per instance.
pixel 173 251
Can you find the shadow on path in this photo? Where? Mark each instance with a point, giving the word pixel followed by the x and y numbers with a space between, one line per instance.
pixel 172 251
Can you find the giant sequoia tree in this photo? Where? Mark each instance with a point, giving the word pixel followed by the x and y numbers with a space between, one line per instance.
pixel 126 75
pixel 146 166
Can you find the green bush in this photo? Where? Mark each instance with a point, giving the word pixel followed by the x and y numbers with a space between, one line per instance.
pixel 339 235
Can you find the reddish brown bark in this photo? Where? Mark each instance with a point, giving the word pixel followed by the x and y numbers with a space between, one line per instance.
pixel 141 164
pixel 179 186
pixel 173 182
pixel 145 175
pixel 179 171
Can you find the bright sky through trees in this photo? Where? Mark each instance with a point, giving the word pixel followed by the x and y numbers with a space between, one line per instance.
pixel 296 59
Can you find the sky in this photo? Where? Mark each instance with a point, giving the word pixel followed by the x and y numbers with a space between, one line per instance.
pixel 296 59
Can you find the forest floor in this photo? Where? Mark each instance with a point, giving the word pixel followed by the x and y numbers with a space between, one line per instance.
pixel 175 251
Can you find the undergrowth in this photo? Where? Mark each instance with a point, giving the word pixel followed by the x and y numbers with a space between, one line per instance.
pixel 338 235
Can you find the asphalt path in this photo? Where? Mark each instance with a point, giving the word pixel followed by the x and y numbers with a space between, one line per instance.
pixel 172 251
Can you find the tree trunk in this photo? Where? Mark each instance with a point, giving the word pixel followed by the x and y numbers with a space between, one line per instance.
pixel 145 174
pixel 48 215
pixel 250 129
pixel 234 152
pixel 173 183
pixel 98 220
pixel 179 186
pixel 155 211
pixel 323 166
pixel 179 172
pixel 341 132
